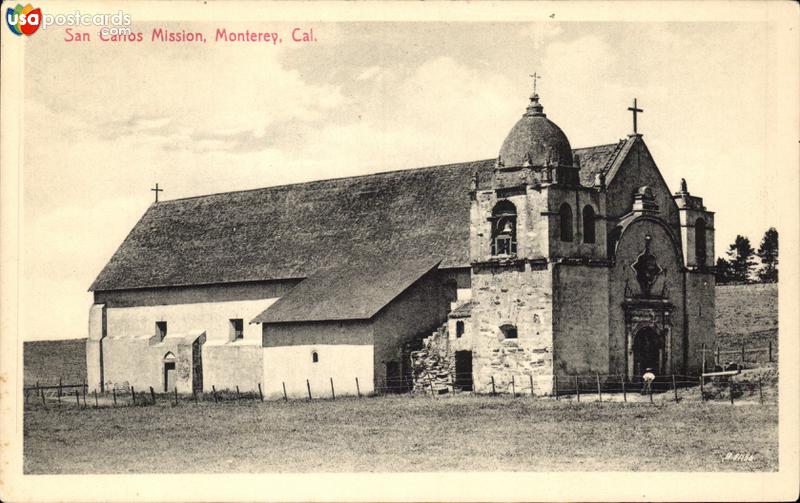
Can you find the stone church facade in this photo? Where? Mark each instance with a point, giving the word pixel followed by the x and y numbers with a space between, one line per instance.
pixel 542 263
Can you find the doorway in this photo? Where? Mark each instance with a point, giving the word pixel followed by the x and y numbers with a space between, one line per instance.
pixel 463 378
pixel 648 352
pixel 169 376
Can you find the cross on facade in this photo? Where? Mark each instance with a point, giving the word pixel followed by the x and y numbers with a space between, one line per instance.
pixel 634 109
pixel 157 190
pixel 535 77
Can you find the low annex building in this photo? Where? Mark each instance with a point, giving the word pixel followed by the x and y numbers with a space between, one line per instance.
pixel 543 262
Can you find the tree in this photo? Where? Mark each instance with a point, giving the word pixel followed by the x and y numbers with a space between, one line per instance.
pixel 741 258
pixel 724 272
pixel 768 253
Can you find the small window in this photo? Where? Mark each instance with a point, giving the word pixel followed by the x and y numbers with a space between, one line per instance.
pixel 161 329
pixel 314 357
pixel 588 225
pixel 509 331
pixel 459 328
pixel 565 222
pixel 237 329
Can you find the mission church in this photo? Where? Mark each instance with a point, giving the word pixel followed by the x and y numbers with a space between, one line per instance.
pixel 541 263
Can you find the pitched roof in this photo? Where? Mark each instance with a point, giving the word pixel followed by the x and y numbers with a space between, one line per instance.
pixel 598 159
pixel 291 231
pixel 352 291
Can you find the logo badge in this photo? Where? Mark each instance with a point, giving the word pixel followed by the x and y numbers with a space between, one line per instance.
pixel 23 20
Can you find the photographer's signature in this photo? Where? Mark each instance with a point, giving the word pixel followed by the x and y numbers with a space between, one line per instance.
pixel 741 457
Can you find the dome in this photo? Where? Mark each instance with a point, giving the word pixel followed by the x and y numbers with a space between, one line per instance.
pixel 535 141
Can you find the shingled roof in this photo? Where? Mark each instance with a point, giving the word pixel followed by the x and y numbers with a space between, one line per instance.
pixel 291 231
pixel 352 291
pixel 599 159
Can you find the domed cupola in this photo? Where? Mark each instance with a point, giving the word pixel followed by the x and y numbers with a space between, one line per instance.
pixel 535 141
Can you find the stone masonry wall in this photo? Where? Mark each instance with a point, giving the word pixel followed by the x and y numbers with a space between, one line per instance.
pixel 520 295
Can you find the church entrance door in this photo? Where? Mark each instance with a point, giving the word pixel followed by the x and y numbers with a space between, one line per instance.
pixel 648 351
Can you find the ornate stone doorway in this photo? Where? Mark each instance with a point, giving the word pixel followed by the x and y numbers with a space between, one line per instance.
pixel 648 336
pixel 648 351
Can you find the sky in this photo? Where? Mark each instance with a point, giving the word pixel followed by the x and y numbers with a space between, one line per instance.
pixel 104 122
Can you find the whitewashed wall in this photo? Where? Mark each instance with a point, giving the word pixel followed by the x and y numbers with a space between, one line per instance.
pixel 211 317
pixel 292 365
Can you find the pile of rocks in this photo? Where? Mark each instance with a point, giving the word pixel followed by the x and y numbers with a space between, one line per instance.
pixel 433 366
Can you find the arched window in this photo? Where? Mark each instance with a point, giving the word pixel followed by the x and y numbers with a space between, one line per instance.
pixel 459 329
pixel 565 222
pixel 504 228
pixel 314 357
pixel 700 241
pixel 588 224
pixel 509 331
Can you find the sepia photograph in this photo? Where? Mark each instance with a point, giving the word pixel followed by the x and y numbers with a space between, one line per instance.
pixel 313 244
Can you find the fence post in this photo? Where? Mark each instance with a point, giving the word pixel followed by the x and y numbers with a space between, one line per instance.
pixel 113 394
pixel 153 395
pixel 577 389
pixel 214 392
pixel 599 395
pixel 237 393
pixel 513 387
pixel 743 352
pixel 717 360
pixel 674 388
pixel 531 378
pixel 730 389
pixel 308 385
pixel 77 398
pixel 494 392
pixel 624 393
pixel 176 395
pixel 83 391
pixel 333 392
pixel 358 388
pixel 43 401
pixel 133 395
pixel 95 399
pixel 285 398
pixel 260 394
pixel 37 390
pixel 702 389
pixel 651 392
pixel 770 350
pixel 555 385
pixel 760 391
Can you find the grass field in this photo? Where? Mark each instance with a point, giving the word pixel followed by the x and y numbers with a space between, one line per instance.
pixel 463 433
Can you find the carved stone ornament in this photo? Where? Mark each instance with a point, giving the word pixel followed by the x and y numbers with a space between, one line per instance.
pixel 646 268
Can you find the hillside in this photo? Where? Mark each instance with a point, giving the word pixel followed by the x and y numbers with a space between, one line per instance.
pixel 743 310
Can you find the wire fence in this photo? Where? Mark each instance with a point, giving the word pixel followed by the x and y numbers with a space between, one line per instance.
pixel 716 386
